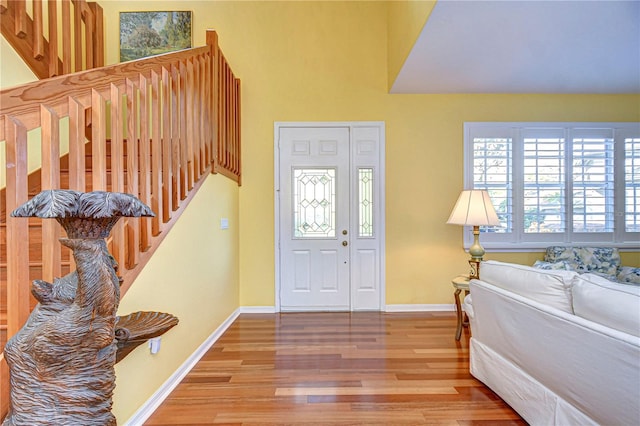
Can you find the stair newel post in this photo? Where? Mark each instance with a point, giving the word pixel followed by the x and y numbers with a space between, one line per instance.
pixel 206 104
pixel 212 42
pixel 212 123
pixel 236 127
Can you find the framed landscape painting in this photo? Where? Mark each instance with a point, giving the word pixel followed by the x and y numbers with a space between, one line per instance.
pixel 145 34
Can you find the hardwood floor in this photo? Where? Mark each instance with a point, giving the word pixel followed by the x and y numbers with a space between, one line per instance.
pixel 336 368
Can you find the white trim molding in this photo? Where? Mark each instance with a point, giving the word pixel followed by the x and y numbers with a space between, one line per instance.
pixel 421 308
pixel 257 309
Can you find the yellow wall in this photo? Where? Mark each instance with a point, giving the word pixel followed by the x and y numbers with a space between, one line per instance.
pixel 13 70
pixel 405 21
pixel 194 276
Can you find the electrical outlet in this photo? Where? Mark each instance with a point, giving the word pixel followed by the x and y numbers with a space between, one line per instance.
pixel 154 345
pixel 224 223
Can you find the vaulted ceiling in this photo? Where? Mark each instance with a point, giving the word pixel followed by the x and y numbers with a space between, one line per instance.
pixel 521 46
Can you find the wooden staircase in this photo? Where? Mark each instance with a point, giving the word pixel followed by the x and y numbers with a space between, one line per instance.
pixel 60 49
pixel 153 128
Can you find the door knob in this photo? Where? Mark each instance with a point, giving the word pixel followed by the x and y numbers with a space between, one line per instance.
pixel 344 232
pixel 344 243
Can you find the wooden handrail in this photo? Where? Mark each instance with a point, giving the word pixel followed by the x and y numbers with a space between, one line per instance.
pixel 164 137
pixel 40 51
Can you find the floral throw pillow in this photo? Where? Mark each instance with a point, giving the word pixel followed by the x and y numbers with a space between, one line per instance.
pixel 562 265
pixel 605 260
pixel 629 274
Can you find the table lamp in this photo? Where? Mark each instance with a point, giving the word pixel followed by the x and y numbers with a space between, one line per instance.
pixel 474 208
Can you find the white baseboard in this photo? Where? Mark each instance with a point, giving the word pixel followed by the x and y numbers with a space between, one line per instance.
pixel 147 409
pixel 388 308
pixel 420 308
pixel 257 309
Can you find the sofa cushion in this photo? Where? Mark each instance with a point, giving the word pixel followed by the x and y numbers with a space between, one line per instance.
pixel 605 260
pixel 562 265
pixel 608 303
pixel 551 287
pixel 629 274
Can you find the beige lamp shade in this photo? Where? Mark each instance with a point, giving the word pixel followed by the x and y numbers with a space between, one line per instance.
pixel 474 208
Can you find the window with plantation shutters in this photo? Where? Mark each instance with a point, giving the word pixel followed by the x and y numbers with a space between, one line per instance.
pixel 492 161
pixel 593 181
pixel 556 183
pixel 632 184
pixel 543 183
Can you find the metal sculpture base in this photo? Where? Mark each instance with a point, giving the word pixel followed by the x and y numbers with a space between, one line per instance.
pixel 61 362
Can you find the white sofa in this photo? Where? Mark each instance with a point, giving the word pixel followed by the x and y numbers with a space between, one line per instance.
pixel 560 348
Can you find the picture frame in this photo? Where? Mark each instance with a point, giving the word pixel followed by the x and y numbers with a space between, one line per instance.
pixel 144 34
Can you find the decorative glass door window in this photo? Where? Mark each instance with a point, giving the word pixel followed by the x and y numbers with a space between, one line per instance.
pixel 365 202
pixel 314 203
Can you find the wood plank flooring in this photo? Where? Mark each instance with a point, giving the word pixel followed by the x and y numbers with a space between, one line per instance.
pixel 336 369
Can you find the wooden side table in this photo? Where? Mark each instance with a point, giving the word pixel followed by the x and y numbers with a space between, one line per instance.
pixel 460 283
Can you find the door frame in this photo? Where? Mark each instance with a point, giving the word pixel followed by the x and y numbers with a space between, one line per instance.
pixel 276 193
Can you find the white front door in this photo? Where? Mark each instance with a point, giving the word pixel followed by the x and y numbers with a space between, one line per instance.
pixel 329 216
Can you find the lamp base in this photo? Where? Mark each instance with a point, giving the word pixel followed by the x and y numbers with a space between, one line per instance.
pixel 474 271
pixel 476 250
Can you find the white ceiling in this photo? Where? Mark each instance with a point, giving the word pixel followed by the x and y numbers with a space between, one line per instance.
pixel 519 46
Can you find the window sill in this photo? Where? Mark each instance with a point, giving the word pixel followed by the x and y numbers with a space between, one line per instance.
pixel 541 247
